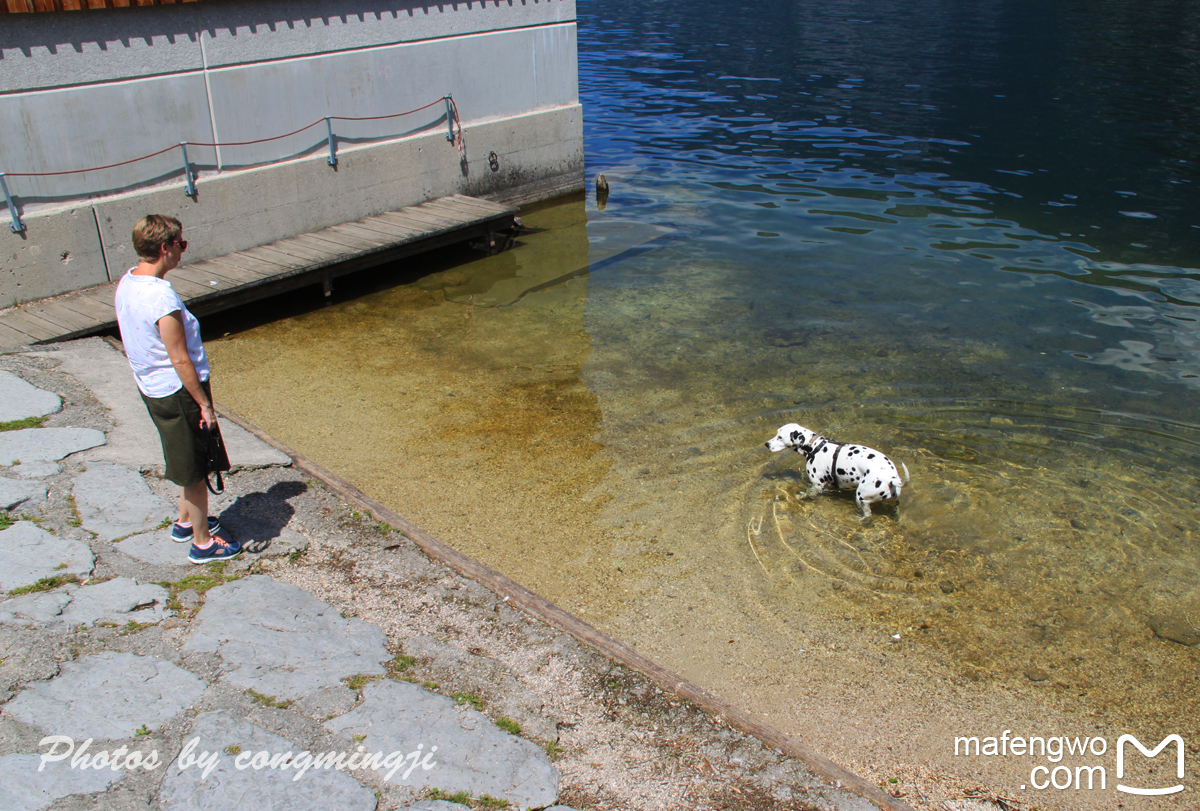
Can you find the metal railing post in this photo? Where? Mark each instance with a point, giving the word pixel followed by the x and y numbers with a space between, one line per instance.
pixel 332 148
pixel 16 225
pixel 449 118
pixel 190 188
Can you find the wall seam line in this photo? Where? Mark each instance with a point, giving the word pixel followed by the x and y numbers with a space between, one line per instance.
pixel 212 118
pixel 100 237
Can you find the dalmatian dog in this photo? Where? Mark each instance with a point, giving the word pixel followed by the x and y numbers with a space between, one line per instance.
pixel 839 466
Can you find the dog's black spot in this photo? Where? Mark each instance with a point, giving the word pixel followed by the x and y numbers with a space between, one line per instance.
pixel 877 483
pixel 870 456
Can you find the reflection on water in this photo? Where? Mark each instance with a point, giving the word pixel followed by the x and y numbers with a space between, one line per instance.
pixel 966 237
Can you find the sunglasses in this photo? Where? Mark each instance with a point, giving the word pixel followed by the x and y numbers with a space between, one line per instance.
pixel 182 243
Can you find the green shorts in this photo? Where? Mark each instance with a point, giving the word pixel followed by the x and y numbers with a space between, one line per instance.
pixel 177 417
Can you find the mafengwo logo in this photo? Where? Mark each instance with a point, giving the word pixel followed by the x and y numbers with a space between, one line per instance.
pixel 1167 741
pixel 1088 761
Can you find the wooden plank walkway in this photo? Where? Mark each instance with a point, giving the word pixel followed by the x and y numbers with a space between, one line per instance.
pixel 238 278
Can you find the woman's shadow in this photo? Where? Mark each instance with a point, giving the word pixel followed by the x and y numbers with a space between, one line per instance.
pixel 259 520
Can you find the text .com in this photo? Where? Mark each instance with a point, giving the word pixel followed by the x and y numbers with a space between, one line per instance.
pixel 1090 759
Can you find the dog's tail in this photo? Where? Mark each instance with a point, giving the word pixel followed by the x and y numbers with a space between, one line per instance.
pixel 893 489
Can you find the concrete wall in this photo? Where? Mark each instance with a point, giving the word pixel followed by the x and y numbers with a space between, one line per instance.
pixel 85 89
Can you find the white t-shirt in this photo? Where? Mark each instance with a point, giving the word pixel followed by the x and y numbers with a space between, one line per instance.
pixel 141 301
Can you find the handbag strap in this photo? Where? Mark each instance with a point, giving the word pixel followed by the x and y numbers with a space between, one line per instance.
pixel 220 485
pixel 210 437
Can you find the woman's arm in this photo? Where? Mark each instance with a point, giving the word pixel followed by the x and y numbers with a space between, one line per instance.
pixel 174 337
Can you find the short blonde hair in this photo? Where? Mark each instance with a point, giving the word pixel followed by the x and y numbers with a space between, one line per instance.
pixel 152 232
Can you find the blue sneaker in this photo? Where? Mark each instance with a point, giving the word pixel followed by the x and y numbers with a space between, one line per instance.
pixel 181 534
pixel 220 549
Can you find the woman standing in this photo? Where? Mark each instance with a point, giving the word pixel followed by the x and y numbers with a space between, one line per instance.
pixel 162 342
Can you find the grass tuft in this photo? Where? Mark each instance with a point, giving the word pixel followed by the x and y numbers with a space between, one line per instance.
pixel 468 698
pixel 17 425
pixel 461 797
pixel 45 584
pixel 268 701
pixel 214 575
pixel 508 725
pixel 358 681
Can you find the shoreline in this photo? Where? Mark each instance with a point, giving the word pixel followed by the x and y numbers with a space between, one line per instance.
pixel 602 720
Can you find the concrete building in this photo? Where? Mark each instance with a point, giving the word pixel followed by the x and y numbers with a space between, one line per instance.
pixel 108 86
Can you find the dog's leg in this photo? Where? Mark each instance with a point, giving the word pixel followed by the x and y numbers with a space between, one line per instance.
pixel 864 506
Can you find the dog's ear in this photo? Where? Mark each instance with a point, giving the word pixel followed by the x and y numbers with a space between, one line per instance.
pixel 797 436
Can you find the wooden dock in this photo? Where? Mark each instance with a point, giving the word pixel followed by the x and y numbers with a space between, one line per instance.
pixel 238 278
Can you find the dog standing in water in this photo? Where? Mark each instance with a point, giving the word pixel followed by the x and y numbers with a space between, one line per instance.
pixel 839 466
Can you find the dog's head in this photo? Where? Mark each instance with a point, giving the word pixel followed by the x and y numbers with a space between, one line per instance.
pixel 789 436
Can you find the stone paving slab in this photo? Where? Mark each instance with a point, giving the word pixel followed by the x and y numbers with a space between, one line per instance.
pixel 114 501
pixel 24 788
pixel 108 696
pixel 156 547
pixel 133 440
pixel 20 400
pixel 29 553
pixel 234 782
pixel 472 755
pixel 281 641
pixel 16 493
pixel 36 470
pixel 46 444
pixel 119 601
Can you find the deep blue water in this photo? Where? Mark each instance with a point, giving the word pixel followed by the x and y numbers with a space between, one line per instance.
pixel 997 144
pixel 967 234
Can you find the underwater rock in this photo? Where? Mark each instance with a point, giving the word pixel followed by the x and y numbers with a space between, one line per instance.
pixel 1175 627
pixel 786 337
pixel 601 192
pixel 1036 674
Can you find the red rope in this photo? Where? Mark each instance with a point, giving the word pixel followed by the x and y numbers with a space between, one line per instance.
pixel 262 140
pixel 244 143
pixel 393 115
pixel 93 169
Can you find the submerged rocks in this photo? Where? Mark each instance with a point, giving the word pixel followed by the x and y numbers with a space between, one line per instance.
pixel 1176 626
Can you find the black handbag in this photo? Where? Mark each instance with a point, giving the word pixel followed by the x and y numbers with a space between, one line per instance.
pixel 218 459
